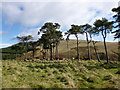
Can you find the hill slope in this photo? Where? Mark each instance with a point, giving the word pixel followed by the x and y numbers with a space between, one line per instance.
pixel 60 74
pixel 63 51
pixel 112 47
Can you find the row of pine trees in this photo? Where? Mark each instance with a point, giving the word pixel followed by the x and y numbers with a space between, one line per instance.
pixel 51 36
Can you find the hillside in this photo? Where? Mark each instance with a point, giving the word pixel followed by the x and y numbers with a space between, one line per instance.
pixel 112 47
pixel 60 74
pixel 63 51
pixel 36 73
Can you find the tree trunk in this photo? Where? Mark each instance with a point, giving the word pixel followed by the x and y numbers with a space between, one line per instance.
pixel 56 52
pixel 47 54
pixel 33 52
pixel 51 56
pixel 106 51
pixel 26 51
pixel 78 56
pixel 53 53
pixel 43 55
pixel 98 58
pixel 88 46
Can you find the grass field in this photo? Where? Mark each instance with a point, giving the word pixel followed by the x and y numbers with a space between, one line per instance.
pixel 63 51
pixel 60 74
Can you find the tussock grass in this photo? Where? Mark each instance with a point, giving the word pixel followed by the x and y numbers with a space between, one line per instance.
pixel 60 74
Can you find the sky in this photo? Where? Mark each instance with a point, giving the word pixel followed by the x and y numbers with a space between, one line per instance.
pixel 26 17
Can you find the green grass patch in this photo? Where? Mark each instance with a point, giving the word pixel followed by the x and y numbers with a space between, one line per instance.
pixel 60 74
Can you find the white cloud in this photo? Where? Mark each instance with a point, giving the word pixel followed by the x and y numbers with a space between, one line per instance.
pixel 110 38
pixel 80 36
pixel 33 32
pixel 60 0
pixel 97 38
pixel 65 12
pixel 3 45
pixel 111 34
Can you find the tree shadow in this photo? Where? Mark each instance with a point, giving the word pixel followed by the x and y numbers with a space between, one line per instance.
pixel 104 65
pixel 48 66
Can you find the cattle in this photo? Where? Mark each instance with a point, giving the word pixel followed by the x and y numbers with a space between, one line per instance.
pixel 85 58
pixel 36 57
pixel 58 58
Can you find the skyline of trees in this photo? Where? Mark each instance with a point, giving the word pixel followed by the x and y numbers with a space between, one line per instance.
pixel 104 27
pixel 117 21
pixel 51 36
pixel 87 30
pixel 24 40
pixel 75 30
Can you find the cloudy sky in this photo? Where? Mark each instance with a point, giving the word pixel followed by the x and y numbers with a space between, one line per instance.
pixel 22 17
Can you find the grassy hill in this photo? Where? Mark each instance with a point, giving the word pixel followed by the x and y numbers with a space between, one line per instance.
pixel 63 73
pixel 60 74
pixel 112 47
pixel 63 51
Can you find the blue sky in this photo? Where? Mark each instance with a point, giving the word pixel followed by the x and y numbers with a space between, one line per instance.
pixel 24 18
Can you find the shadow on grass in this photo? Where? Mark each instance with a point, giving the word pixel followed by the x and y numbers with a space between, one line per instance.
pixel 48 66
pixel 106 66
pixel 43 61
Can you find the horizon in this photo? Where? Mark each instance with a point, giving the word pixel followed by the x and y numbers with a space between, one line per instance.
pixel 61 40
pixel 26 18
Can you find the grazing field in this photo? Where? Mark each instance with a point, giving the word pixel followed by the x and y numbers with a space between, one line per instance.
pixel 112 47
pixel 63 50
pixel 60 74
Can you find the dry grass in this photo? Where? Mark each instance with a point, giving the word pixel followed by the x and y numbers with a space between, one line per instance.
pixel 63 51
pixel 60 74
